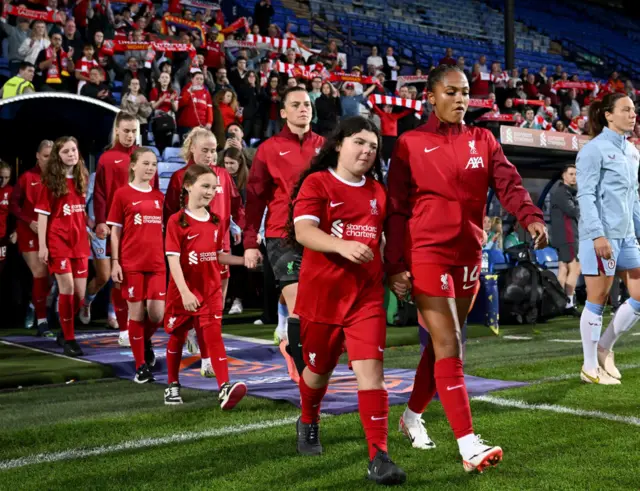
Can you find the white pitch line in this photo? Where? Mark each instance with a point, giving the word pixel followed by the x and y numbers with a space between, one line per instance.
pixel 565 340
pixel 499 401
pixel 81 453
pixel 517 338
pixel 45 352
pixel 576 375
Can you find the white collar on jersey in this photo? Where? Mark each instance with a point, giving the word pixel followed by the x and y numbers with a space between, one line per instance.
pixel 353 184
pixel 140 189
pixel 205 219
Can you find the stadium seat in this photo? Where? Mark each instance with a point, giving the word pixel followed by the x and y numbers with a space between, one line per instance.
pixel 172 154
pixel 156 152
pixel 497 261
pixel 166 169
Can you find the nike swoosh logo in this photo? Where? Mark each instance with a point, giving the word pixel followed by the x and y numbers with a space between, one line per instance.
pixel 456 387
pixel 284 153
pixel 373 418
pixel 83 271
pixel 35 183
pixel 69 320
pixel 136 203
pixel 162 294
pixel 299 345
pixel 466 287
pixel 118 161
pixel 429 150
pixel 189 237
pixel 333 205
pixel 218 316
pixel 595 380
pixel 221 359
pixel 172 352
pixel 135 339
pixel 381 350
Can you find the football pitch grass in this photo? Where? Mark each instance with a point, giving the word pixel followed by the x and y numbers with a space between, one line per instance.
pixel 98 432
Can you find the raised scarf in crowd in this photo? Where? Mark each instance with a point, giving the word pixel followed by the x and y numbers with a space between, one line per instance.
pixel 411 79
pixel 500 118
pixel 152 47
pixel 277 43
pixel 352 77
pixel 528 102
pixel 182 24
pixel 50 17
pixel 395 101
pixel 241 23
pixel 299 71
pixel 567 84
pixel 495 77
pixel 55 72
pixel 248 45
pixel 202 4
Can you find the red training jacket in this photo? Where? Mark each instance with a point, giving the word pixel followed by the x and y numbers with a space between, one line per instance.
pixel 389 121
pixel 111 174
pixel 438 182
pixel 274 173
pixel 195 108
pixel 25 195
pixel 226 204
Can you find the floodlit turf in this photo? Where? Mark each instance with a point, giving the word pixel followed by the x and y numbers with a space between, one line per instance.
pixel 124 423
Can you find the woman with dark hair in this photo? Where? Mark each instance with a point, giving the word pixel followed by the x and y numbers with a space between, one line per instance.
pixel 438 181
pixel 328 109
pixel 270 103
pixel 337 213
pixel 62 233
pixel 609 224
pixel 249 99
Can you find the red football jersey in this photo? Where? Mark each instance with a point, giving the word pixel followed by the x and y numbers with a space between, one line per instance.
pixel 5 195
pixel 331 288
pixel 25 195
pixel 198 246
pixel 67 226
pixel 139 214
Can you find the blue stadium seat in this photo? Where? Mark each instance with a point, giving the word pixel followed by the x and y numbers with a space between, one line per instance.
pixel 172 154
pixel 547 257
pixel 166 169
pixel 155 151
pixel 164 184
pixel 497 261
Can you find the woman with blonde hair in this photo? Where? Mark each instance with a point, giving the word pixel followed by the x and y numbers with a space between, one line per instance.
pixel 199 148
pixel 37 41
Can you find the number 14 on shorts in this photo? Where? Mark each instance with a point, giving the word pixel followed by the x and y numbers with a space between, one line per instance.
pixel 470 277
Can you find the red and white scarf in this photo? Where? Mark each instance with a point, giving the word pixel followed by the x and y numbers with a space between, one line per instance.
pixel 55 72
pixel 566 84
pixel 299 71
pixel 501 118
pixel 395 101
pixel 496 78
pixel 528 102
pixel 277 43
pixel 411 79
pixel 352 77
pixel 50 17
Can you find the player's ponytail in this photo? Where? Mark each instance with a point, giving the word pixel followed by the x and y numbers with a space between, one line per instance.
pixel 597 109
pixel 327 158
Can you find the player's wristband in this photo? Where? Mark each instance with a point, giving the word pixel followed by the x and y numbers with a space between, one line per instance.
pixel 114 259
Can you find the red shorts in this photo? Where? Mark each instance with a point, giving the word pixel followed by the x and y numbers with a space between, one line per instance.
pixel 181 324
pixel 27 240
pixel 438 280
pixel 322 344
pixel 137 287
pixel 78 267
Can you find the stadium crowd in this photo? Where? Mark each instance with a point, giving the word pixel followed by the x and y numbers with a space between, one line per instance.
pixel 212 74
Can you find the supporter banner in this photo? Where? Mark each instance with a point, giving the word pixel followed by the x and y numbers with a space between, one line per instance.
pixel 495 78
pixel 49 17
pixel 395 101
pixel 411 79
pixel 481 103
pixel 154 45
pixel 525 137
pixel 566 84
pixel 260 366
pixel 148 2
pixel 202 4
pixel 352 77
pixel 235 25
pixel 528 102
pixel 181 24
pixel 504 118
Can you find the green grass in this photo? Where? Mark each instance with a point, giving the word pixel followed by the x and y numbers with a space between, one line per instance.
pixel 543 450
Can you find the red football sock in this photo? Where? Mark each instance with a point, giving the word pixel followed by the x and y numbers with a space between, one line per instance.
pixel 212 331
pixel 453 395
pixel 424 384
pixel 310 400
pixel 202 342
pixel 150 328
pixel 373 406
pixel 174 356
pixel 136 338
pixel 120 306
pixel 65 309
pixel 39 294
